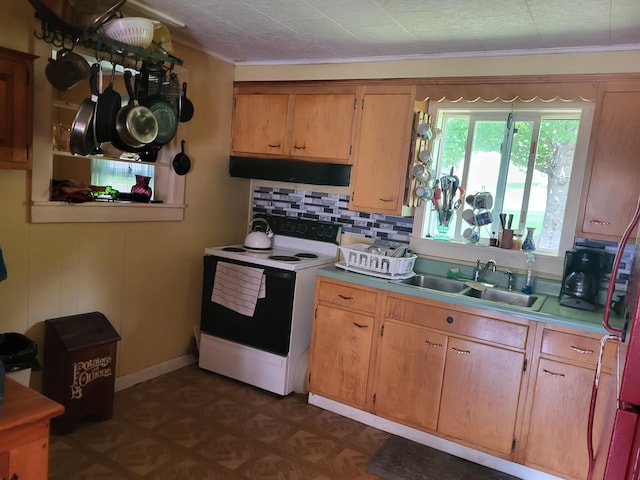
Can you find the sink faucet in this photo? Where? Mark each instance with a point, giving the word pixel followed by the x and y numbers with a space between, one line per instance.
pixel 478 273
pixel 509 275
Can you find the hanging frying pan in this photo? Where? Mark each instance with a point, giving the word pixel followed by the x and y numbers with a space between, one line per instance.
pixel 186 107
pixel 135 126
pixel 181 162
pixel 82 139
pixel 109 103
pixel 166 117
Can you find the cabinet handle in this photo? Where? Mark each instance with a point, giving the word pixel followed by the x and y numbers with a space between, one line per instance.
pixel 553 374
pixel 359 325
pixel 599 222
pixel 299 148
pixel 434 345
pixel 581 350
pixel 386 200
pixel 345 298
pixel 274 146
pixel 461 352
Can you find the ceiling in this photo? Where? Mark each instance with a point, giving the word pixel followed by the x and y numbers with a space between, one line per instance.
pixel 313 31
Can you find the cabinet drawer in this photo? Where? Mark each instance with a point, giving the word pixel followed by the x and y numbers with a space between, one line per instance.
pixel 347 296
pixel 452 321
pixel 576 348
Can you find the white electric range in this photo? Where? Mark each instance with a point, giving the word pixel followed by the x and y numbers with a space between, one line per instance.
pixel 266 347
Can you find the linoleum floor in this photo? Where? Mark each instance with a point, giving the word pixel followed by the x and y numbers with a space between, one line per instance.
pixel 191 424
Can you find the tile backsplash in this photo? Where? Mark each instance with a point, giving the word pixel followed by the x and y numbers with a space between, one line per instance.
pixel 332 207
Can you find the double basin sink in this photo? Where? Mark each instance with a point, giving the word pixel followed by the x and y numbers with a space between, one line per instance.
pixel 531 302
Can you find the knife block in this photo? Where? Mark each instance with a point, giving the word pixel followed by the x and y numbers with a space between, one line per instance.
pixel 505 238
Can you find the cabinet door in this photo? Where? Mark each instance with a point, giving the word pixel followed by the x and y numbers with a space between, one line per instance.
pixel 259 123
pixel 340 355
pixel 480 394
pixel 612 194
pixel 557 439
pixel 15 111
pixel 409 377
pixel 382 153
pixel 322 126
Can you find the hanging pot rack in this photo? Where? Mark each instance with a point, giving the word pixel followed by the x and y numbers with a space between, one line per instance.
pixel 104 48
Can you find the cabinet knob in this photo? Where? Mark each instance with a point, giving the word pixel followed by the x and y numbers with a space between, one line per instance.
pixel 450 320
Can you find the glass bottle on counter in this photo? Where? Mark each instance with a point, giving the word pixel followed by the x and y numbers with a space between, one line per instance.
pixel 530 265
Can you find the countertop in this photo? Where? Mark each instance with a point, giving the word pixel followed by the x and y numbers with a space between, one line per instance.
pixel 550 312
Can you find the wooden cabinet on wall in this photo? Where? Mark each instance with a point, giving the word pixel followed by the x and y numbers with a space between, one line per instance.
pixel 341 342
pixel 16 109
pixel 462 373
pixel 556 440
pixel 381 161
pixel 296 122
pixel 611 189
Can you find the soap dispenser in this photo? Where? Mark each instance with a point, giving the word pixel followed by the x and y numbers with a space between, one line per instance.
pixel 530 265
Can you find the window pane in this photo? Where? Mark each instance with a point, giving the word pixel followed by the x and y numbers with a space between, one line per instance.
pixel 554 160
pixel 119 175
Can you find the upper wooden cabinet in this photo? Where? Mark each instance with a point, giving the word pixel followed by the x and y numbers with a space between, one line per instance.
pixel 16 109
pixel 381 162
pixel 611 188
pixel 295 123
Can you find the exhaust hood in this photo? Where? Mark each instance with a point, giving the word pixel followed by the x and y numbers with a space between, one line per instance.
pixel 295 171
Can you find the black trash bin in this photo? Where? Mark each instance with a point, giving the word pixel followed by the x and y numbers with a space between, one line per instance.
pixel 79 367
pixel 19 354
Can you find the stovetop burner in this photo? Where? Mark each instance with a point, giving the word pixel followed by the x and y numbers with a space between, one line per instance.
pixel 306 255
pixel 285 258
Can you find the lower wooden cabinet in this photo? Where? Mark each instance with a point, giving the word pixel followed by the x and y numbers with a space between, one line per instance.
pixel 341 342
pixel 556 440
pixel 480 393
pixel 513 388
pixel 409 377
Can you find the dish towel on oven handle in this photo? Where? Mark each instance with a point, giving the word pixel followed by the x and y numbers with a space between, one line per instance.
pixel 238 287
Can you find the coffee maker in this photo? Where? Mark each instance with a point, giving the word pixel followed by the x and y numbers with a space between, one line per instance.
pixel 583 272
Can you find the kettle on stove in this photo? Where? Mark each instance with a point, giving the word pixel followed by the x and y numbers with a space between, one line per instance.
pixel 260 236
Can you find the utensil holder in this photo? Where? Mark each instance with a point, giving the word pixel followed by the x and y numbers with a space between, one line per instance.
pixel 505 238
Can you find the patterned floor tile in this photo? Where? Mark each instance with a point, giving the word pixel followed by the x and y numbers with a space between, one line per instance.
pixel 191 424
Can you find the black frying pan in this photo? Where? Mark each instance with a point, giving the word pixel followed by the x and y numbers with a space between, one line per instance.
pixel 109 103
pixel 82 140
pixel 181 162
pixel 186 107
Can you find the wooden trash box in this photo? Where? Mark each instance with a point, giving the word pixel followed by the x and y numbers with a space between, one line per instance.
pixel 79 367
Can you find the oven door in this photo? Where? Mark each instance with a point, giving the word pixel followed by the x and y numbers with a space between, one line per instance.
pixel 270 327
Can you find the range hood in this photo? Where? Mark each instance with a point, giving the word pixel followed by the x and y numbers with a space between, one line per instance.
pixel 295 171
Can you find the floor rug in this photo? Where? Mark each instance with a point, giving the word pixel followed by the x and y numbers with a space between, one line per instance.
pixel 402 459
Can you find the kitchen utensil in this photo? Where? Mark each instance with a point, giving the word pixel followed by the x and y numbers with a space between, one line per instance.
pixel 421 173
pixel 135 31
pixel 503 220
pixel 82 140
pixel 186 107
pixel 166 117
pixel 109 103
pixel 135 125
pixel 509 221
pixel 424 130
pixel 426 193
pixel 257 239
pixel 67 70
pixel 181 162
pixel 424 155
pixel 468 216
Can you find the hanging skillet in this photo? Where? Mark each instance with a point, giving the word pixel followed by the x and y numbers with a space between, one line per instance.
pixel 181 162
pixel 136 126
pixel 82 140
pixel 186 106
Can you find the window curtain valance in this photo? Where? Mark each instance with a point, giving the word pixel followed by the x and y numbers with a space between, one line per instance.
pixel 507 90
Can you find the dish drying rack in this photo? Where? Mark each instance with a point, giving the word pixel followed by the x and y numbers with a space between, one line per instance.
pixel 358 258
